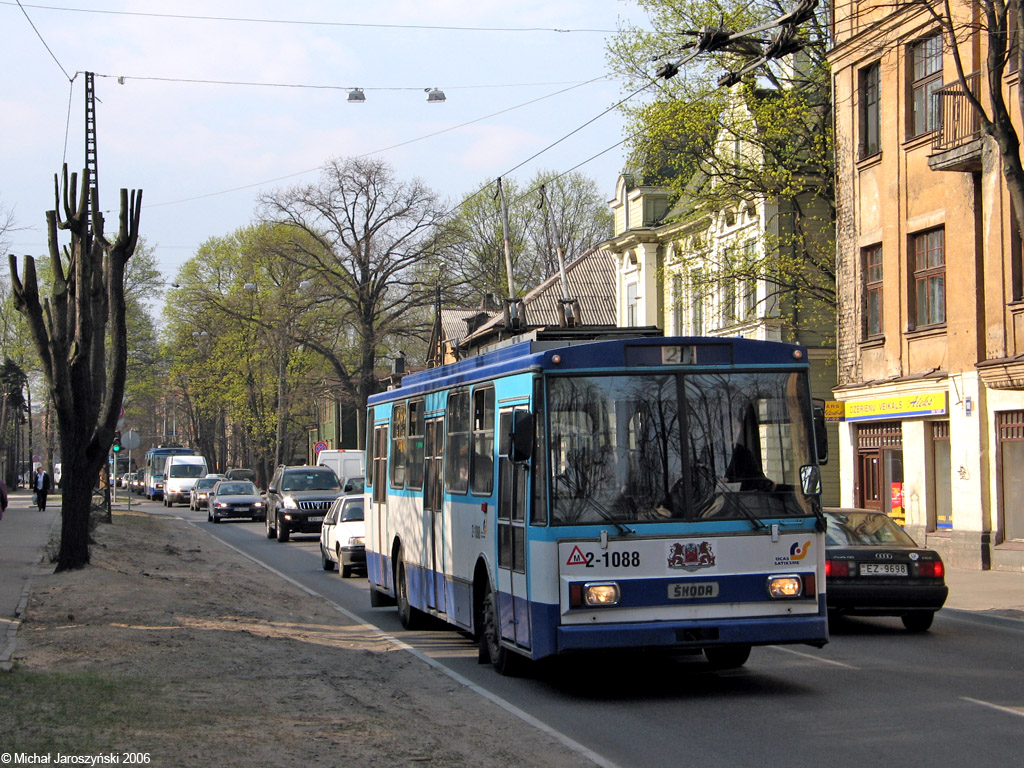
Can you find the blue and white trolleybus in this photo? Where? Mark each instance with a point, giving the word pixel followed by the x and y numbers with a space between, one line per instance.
pixel 564 493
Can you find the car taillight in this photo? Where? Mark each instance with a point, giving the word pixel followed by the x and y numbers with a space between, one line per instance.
pixel 931 569
pixel 838 568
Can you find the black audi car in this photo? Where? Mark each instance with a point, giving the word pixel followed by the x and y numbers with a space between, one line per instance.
pixel 874 568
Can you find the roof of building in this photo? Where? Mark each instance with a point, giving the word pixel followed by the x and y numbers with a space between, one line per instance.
pixel 591 279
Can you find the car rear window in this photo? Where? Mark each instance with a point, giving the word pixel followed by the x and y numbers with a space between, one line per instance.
pixel 865 529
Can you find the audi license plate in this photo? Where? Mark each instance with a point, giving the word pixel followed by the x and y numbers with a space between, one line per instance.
pixel 317 519
pixel 883 569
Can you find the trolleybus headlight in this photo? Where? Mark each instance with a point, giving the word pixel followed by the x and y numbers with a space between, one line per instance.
pixel 593 594
pixel 786 586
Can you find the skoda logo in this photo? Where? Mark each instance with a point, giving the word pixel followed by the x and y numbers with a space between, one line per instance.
pixel 883 555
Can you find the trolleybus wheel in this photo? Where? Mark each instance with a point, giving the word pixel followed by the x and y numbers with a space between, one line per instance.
pixel 504 661
pixel 727 656
pixel 411 618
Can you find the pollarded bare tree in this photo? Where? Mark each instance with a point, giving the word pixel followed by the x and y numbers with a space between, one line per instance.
pixel 71 329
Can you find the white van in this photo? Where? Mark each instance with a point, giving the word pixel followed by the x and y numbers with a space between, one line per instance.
pixel 348 465
pixel 180 474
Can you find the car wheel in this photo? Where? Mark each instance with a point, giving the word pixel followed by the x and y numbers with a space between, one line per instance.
pixel 504 661
pixel 727 656
pixel 325 560
pixel 216 519
pixel 283 534
pixel 918 621
pixel 410 617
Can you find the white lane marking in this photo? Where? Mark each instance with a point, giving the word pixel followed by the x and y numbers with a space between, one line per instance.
pixel 812 657
pixel 508 706
pixel 998 707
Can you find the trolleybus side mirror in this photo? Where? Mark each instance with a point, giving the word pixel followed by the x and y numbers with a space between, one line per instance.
pixel 820 435
pixel 522 436
pixel 810 480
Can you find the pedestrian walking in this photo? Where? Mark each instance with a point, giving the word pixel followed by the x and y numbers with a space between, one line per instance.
pixel 41 486
pixel 3 498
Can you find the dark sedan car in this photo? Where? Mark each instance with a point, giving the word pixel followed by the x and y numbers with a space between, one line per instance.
pixel 874 568
pixel 231 498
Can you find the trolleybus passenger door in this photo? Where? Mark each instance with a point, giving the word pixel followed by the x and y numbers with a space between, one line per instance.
pixel 379 476
pixel 433 511
pixel 513 598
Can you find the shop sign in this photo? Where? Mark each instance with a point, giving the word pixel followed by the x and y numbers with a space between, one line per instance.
pixel 898 407
pixel 835 410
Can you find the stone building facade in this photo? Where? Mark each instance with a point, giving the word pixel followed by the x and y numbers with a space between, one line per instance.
pixel 931 300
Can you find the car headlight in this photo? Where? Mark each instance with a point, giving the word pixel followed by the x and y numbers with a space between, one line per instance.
pixel 221 505
pixel 290 503
pixel 258 504
pixel 357 541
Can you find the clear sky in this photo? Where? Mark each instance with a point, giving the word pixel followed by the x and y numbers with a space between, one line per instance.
pixel 202 151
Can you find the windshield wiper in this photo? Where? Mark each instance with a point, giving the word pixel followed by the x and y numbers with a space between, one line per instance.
pixel 607 516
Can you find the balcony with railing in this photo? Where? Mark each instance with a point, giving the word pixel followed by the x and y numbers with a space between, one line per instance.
pixel 956 143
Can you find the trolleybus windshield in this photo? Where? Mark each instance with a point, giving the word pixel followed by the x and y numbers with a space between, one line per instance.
pixel 652 447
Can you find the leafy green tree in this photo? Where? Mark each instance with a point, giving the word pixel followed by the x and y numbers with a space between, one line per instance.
pixel 235 363
pixel 688 136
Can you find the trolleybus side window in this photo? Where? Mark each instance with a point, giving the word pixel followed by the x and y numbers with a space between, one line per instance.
pixel 414 466
pixel 380 463
pixel 456 473
pixel 398 427
pixel 483 441
pixel 433 461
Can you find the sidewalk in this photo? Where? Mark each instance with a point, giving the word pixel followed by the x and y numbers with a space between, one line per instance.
pixel 24 533
pixel 990 593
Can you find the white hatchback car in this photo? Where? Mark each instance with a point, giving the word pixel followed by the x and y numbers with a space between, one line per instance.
pixel 342 536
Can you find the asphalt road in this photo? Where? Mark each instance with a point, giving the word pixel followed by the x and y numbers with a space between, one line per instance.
pixel 875 695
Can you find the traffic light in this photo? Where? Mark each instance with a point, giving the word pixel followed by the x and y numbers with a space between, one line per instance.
pixel 117 442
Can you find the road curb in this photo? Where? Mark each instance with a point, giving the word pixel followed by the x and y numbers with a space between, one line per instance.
pixel 992 617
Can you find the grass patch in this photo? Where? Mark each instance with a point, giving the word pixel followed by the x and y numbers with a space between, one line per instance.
pixel 77 712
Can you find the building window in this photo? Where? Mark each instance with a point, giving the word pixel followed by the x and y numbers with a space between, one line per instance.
pixel 1011 480
pixel 872 276
pixel 748 285
pixel 870 122
pixel 677 304
pixel 1016 258
pixel 928 252
pixel 926 74
pixel 728 288
pixel 697 307
pixel 632 304
pixel 942 474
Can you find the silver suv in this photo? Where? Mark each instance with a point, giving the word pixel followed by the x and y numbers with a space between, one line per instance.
pixel 298 498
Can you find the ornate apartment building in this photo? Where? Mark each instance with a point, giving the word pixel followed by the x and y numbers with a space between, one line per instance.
pixel 931 294
pixel 672 273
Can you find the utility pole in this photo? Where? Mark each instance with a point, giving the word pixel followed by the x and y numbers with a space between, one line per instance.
pixel 90 144
pixel 515 322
